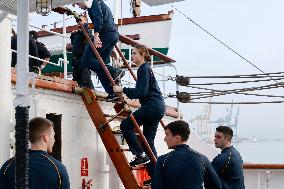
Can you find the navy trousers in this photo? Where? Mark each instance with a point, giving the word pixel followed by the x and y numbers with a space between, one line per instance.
pixel 148 116
pixel 89 60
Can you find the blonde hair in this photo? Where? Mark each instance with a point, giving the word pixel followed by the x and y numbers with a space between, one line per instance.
pixel 143 50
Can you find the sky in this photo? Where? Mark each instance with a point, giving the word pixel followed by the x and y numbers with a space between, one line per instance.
pixel 252 28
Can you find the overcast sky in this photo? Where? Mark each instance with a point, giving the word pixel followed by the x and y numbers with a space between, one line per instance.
pixel 253 28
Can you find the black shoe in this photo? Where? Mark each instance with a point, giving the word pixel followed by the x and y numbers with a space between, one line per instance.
pixel 118 75
pixel 147 182
pixel 112 97
pixel 139 160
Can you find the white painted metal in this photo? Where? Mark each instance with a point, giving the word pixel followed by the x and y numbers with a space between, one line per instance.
pixel 130 63
pixel 5 88
pixel 64 48
pixel 177 89
pixel 152 62
pixel 159 2
pixel 22 98
pixel 157 37
pixel 30 56
pixel 259 179
pixel 116 10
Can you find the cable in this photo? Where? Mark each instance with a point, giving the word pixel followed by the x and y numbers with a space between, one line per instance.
pixel 243 76
pixel 239 91
pixel 167 77
pixel 238 54
pixel 233 82
pixel 264 102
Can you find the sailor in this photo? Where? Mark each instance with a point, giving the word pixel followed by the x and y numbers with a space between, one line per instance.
pixel 183 168
pixel 228 164
pixel 45 172
pixel 43 52
pixel 79 42
pixel 33 51
pixel 105 38
pixel 151 111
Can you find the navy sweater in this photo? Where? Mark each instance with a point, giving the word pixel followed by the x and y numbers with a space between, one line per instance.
pixel 146 89
pixel 45 172
pixel 101 17
pixel 229 167
pixel 184 168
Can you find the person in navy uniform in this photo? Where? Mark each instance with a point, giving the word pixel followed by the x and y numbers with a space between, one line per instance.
pixel 149 114
pixel 43 52
pixel 33 51
pixel 79 42
pixel 183 168
pixel 228 164
pixel 105 38
pixel 45 172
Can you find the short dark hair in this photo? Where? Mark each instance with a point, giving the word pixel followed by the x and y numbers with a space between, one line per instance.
pixel 37 126
pixel 33 34
pixel 227 131
pixel 180 128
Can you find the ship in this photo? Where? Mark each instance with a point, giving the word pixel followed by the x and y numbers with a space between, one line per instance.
pixel 51 95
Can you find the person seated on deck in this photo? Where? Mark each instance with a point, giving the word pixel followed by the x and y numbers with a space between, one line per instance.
pixel 79 42
pixel 183 168
pixel 149 114
pixel 45 172
pixel 105 38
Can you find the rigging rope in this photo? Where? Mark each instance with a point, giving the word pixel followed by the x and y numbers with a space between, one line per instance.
pixel 264 75
pixel 264 102
pixel 234 82
pixel 238 54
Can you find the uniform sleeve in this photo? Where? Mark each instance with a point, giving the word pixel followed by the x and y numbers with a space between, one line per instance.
pixel 142 85
pixel 158 182
pixel 65 179
pixel 218 163
pixel 2 177
pixel 42 51
pixel 211 178
pixel 97 16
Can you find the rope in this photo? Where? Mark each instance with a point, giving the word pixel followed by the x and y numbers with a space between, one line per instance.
pixel 234 82
pixel 235 52
pixel 264 102
pixel 264 75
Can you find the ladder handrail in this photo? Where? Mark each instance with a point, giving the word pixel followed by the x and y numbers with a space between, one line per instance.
pixel 133 43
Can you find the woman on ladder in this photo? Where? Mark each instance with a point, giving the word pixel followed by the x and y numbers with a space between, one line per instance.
pixel 149 114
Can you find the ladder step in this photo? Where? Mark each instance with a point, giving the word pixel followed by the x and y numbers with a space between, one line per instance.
pixel 146 187
pixel 140 167
pixel 117 132
pixel 117 117
pixel 124 148
pixel 116 153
